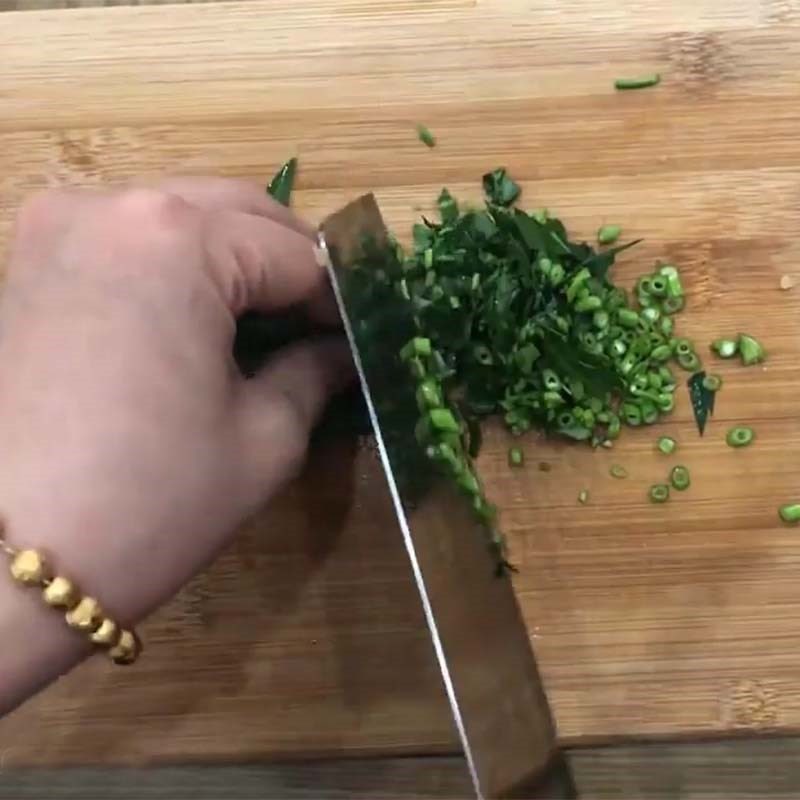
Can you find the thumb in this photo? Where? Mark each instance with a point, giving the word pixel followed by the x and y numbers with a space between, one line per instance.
pixel 281 404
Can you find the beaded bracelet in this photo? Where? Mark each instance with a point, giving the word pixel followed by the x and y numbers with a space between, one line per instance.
pixel 83 613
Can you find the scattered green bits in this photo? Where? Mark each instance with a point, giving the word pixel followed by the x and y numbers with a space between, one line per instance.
pixel 425 136
pixel 740 436
pixel 750 350
pixel 583 496
pixel 608 234
pixel 680 478
pixel 667 445
pixel 790 513
pixel 658 493
pixel 617 471
pixel 641 82
pixel 516 458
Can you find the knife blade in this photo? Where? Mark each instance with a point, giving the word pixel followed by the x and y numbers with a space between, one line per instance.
pixel 480 641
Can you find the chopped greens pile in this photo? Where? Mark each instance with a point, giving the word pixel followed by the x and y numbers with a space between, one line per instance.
pixel 530 325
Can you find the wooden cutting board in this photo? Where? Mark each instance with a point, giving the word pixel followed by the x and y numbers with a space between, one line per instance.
pixel 307 637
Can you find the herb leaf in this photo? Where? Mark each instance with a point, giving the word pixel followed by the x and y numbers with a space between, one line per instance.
pixel 500 190
pixel 281 185
pixel 702 400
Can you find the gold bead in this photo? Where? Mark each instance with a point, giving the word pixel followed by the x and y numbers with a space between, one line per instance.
pixel 86 616
pixel 107 634
pixel 61 593
pixel 28 567
pixel 127 649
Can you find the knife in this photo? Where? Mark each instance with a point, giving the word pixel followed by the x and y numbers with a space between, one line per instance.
pixel 480 641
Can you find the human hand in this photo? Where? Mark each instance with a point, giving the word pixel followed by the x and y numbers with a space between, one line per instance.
pixel 131 446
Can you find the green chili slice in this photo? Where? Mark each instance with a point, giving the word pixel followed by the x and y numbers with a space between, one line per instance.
pixel 617 471
pixel 667 445
pixel 725 348
pixel 680 478
pixel 608 234
pixel 790 513
pixel 516 458
pixel 659 493
pixel 740 436
pixel 641 82
pixel 425 136
pixel 750 350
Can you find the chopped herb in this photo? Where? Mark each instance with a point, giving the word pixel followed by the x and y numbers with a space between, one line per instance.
pixel 702 400
pixel 740 436
pixel 500 190
pixel 680 478
pixel 617 471
pixel 750 350
pixel 608 234
pixel 425 136
pixel 281 185
pixel 658 493
pixel 583 496
pixel 516 458
pixel 790 513
pixel 667 445
pixel 642 82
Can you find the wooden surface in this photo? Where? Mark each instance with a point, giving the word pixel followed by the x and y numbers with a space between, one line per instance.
pixel 307 637
pixel 744 769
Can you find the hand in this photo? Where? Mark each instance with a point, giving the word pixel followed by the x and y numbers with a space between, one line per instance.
pixel 131 446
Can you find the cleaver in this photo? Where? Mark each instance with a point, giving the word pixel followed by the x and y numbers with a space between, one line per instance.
pixel 498 704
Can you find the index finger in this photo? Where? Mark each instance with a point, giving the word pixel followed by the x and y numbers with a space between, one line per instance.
pixel 234 194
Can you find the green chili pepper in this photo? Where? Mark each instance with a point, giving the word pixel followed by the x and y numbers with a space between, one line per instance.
pixel 442 419
pixel 750 350
pixel 617 471
pixel 643 82
pixel 659 493
pixel 282 183
pixel 790 513
pixel 740 436
pixel 689 361
pixel 725 348
pixel 627 318
pixel 658 286
pixel 516 458
pixel 680 478
pixel 667 445
pixel 672 305
pixel 428 394
pixel 425 136
pixel 712 382
pixel 418 346
pixel 608 234
pixel 661 353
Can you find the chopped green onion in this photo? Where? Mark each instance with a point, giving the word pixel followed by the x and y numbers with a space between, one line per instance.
pixel 425 136
pixel 642 82
pixel 680 478
pixel 617 471
pixel 712 382
pixel 659 493
pixel 608 234
pixel 516 458
pixel 583 496
pixel 790 513
pixel 740 436
pixel 725 348
pixel 667 445
pixel 750 350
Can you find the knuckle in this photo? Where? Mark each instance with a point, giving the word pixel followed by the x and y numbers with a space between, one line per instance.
pixel 153 209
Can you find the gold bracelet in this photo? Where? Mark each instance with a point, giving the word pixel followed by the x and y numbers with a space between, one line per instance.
pixel 83 613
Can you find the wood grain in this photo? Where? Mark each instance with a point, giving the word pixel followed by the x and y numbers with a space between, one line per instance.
pixel 307 638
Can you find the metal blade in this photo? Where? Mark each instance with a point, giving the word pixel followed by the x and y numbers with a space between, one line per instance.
pixel 481 643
